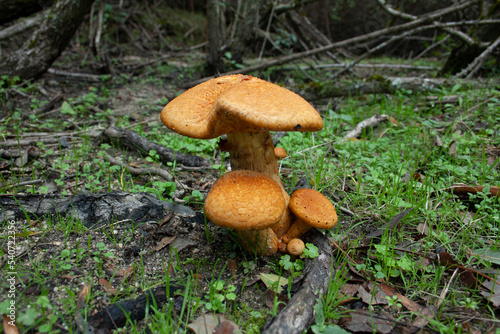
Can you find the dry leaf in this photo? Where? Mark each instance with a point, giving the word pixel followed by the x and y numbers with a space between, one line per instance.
pixel 364 321
pixel 439 141
pixel 393 121
pixel 9 325
pixel 214 323
pixel 492 293
pixel 282 300
pixel 465 275
pixel 371 297
pixel 409 304
pixel 462 189
pixel 424 317
pixel 270 280
pixel 164 242
pixel 452 149
pixel 231 266
pixel 106 286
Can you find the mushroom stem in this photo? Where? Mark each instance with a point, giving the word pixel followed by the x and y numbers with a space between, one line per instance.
pixel 298 228
pixel 261 242
pixel 255 151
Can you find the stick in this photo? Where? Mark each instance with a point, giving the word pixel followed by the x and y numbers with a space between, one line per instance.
pixel 372 121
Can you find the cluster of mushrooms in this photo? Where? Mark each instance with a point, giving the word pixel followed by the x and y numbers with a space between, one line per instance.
pixel 251 198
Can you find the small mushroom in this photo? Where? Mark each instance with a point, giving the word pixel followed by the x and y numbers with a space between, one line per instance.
pixel 312 209
pixel 295 247
pixel 250 203
pixel 280 152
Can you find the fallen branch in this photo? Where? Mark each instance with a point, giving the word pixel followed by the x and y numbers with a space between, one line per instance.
pixel 21 26
pixel 132 141
pixel 298 314
pixel 372 121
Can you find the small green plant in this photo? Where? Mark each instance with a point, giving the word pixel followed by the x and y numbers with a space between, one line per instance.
pixel 218 295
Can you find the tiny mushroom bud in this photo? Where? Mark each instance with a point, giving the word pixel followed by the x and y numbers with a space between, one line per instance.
pixel 280 152
pixel 295 247
pixel 312 209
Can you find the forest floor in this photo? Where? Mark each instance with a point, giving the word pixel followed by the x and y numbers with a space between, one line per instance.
pixel 415 249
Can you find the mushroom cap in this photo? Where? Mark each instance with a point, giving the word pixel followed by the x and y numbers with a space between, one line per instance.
pixel 280 152
pixel 245 200
pixel 295 246
pixel 313 208
pixel 238 103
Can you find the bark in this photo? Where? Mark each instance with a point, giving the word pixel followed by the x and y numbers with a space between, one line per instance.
pixel 214 17
pixel 48 41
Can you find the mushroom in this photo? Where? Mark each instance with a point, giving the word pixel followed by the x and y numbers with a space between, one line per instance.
pixel 295 247
pixel 250 203
pixel 246 109
pixel 280 152
pixel 312 209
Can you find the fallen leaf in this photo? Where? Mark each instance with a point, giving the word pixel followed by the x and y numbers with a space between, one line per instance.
pixel 492 293
pixel 393 121
pixel 409 304
pixel 106 286
pixel 488 255
pixel 164 242
pixel 282 300
pixel 423 228
pixel 214 323
pixel 9 325
pixel 439 141
pixel 465 275
pixel 364 321
pixel 271 280
pixel 452 149
pixel 372 295
pixel 231 266
pixel 423 318
pixel 166 219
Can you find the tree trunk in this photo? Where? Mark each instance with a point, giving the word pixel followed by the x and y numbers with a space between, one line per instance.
pixel 246 22
pixel 48 41
pixel 215 40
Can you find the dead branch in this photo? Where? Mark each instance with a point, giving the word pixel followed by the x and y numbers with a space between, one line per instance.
pixel 473 67
pixel 132 141
pixel 369 122
pixel 21 26
pixel 454 32
pixel 83 76
pixel 351 41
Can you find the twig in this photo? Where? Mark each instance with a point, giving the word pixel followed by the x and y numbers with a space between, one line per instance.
pixel 85 76
pixel 372 121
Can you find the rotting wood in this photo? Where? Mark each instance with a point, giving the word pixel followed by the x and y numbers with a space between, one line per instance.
pixel 298 314
pixel 132 141
pixel 92 210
